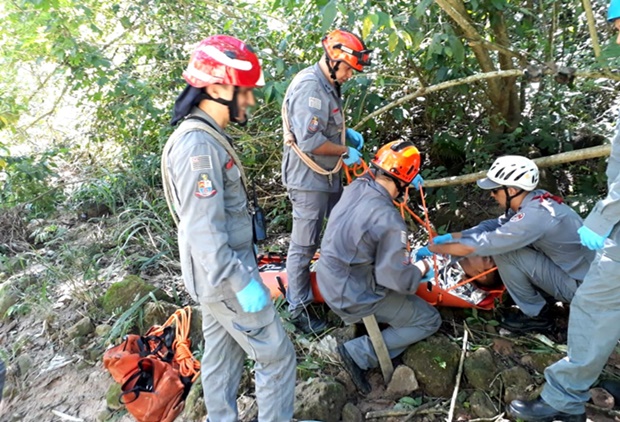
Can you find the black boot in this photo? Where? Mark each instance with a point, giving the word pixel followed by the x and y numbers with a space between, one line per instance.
pixel 309 323
pixel 539 411
pixel 520 322
pixel 355 372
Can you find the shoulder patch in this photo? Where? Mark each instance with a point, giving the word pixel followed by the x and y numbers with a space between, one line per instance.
pixel 204 188
pixel 314 103
pixel 517 217
pixel 313 126
pixel 200 162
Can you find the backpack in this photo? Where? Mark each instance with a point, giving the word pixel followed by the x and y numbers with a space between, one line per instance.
pixel 157 370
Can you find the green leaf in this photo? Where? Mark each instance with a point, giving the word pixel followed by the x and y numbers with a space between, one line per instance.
pixel 393 42
pixel 367 26
pixel 329 14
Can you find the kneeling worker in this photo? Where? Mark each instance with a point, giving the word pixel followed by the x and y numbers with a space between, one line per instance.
pixel 365 267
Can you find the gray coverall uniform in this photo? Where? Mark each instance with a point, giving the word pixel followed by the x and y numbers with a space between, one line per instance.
pixel 535 247
pixel 217 260
pixel 594 322
pixel 315 116
pixel 365 269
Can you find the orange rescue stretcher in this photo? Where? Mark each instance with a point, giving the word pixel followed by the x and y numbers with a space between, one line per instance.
pixel 272 268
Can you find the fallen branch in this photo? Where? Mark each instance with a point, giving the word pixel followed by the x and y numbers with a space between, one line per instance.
pixel 66 417
pixel 419 409
pixel 552 160
pixel 459 374
pixel 391 413
pixel 493 419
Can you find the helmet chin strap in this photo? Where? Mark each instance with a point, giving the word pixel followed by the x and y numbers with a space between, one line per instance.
pixel 510 198
pixel 233 106
pixel 332 73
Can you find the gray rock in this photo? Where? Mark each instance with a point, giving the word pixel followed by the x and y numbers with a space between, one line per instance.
pixel 480 369
pixel 435 363
pixel 82 328
pixel 195 409
pixel 540 361
pixel 156 313
pixel 24 364
pixel 402 384
pixel 104 416
pixel 112 397
pixel 195 328
pixel 602 398
pixel 102 330
pixel 350 413
pixel 517 382
pixel 8 298
pixel 319 400
pixel 481 405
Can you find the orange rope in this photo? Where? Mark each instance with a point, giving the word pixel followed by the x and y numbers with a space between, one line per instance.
pixel 356 170
pixel 181 319
pixel 469 280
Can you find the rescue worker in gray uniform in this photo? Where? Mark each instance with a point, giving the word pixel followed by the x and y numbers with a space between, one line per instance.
pixel 593 325
pixel 205 185
pixel 314 150
pixel 535 244
pixel 365 266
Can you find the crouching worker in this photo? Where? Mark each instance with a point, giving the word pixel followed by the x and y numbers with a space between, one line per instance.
pixel 534 244
pixel 365 267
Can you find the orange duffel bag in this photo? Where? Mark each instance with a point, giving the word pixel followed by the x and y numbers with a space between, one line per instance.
pixel 156 370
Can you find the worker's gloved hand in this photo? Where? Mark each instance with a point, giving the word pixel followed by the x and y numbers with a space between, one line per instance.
pixel 352 157
pixel 442 238
pixel 417 182
pixel 591 240
pixel 429 275
pixel 355 139
pixel 422 253
pixel 253 297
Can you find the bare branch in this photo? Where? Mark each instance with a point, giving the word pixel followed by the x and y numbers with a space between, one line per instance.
pixel 552 160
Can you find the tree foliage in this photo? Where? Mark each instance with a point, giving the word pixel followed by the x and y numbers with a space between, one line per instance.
pixel 100 78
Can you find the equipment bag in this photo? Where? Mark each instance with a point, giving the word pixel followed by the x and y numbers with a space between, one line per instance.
pixel 156 370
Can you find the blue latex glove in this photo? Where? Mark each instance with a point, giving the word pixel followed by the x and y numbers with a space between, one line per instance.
pixel 417 182
pixel 253 297
pixel 443 238
pixel 353 157
pixel 590 239
pixel 422 253
pixel 355 139
pixel 429 275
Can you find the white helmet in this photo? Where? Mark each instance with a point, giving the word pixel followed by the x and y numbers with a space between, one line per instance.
pixel 511 170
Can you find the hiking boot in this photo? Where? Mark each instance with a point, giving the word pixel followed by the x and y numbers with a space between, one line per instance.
pixel 520 322
pixel 355 372
pixel 308 323
pixel 539 411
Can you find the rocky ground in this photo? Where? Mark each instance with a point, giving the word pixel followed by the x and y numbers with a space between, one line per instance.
pixel 58 318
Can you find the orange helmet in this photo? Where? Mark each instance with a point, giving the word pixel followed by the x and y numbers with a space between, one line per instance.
pixel 344 46
pixel 222 59
pixel 399 159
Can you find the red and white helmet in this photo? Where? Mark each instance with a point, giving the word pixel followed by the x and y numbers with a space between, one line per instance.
pixel 222 59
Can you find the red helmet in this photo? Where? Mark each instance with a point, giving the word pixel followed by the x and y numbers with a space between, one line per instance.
pixel 343 46
pixel 399 159
pixel 222 59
